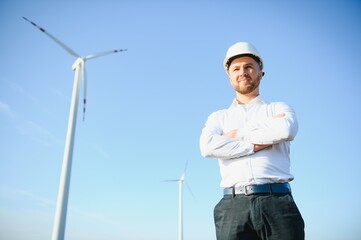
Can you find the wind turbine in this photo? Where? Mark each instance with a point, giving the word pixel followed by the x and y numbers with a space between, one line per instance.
pixel 180 181
pixel 63 194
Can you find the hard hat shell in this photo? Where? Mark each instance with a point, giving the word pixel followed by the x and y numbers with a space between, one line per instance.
pixel 241 49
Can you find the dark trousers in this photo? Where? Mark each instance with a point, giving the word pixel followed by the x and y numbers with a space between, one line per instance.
pixel 258 217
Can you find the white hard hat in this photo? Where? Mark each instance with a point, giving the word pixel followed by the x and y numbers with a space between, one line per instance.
pixel 241 49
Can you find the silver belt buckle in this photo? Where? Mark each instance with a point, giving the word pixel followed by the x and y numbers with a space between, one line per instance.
pixel 245 190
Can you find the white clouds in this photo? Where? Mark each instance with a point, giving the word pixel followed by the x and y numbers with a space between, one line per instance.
pixel 28 128
pixel 15 194
pixel 5 109
pixel 61 95
pixel 17 88
pixel 34 197
pixel 42 209
pixel 102 153
pixel 37 133
pixel 23 126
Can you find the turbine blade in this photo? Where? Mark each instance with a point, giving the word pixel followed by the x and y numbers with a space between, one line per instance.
pixel 172 180
pixel 91 56
pixel 189 189
pixel 84 77
pixel 66 48
pixel 186 166
pixel 185 169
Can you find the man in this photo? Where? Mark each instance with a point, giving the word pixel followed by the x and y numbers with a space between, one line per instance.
pixel 251 140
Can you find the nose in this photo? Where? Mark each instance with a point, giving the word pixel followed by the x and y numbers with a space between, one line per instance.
pixel 242 72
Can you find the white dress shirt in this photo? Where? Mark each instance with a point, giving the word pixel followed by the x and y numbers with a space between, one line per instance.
pixel 256 123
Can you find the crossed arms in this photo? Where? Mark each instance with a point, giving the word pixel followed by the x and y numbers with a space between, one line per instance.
pixel 215 143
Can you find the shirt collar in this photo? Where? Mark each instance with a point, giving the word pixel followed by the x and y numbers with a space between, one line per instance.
pixel 252 102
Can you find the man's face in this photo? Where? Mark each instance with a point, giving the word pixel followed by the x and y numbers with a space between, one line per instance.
pixel 245 75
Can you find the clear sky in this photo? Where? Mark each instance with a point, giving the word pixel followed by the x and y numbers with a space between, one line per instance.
pixel 147 106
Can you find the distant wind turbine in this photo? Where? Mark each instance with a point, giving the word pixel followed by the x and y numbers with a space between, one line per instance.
pixel 180 181
pixel 63 194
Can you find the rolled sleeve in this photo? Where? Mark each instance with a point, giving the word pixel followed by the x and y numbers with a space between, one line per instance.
pixel 214 144
pixel 273 130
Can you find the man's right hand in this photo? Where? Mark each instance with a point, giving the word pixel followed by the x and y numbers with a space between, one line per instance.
pixel 259 147
pixel 231 134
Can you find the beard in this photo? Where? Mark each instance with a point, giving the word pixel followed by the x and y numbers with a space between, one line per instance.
pixel 250 86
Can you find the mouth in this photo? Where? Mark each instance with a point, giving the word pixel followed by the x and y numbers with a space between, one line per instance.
pixel 244 80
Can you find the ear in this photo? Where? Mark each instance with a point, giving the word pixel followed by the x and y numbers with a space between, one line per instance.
pixel 261 74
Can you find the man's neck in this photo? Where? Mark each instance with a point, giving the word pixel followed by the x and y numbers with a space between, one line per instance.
pixel 244 99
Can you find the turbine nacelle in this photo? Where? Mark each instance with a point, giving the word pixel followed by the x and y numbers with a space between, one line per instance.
pixel 79 62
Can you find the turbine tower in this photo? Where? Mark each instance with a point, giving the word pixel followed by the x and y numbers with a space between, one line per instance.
pixel 180 181
pixel 63 194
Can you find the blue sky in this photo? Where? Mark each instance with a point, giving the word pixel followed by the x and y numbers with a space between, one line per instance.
pixel 146 108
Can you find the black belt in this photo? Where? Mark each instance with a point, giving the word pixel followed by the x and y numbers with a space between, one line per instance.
pixel 268 188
